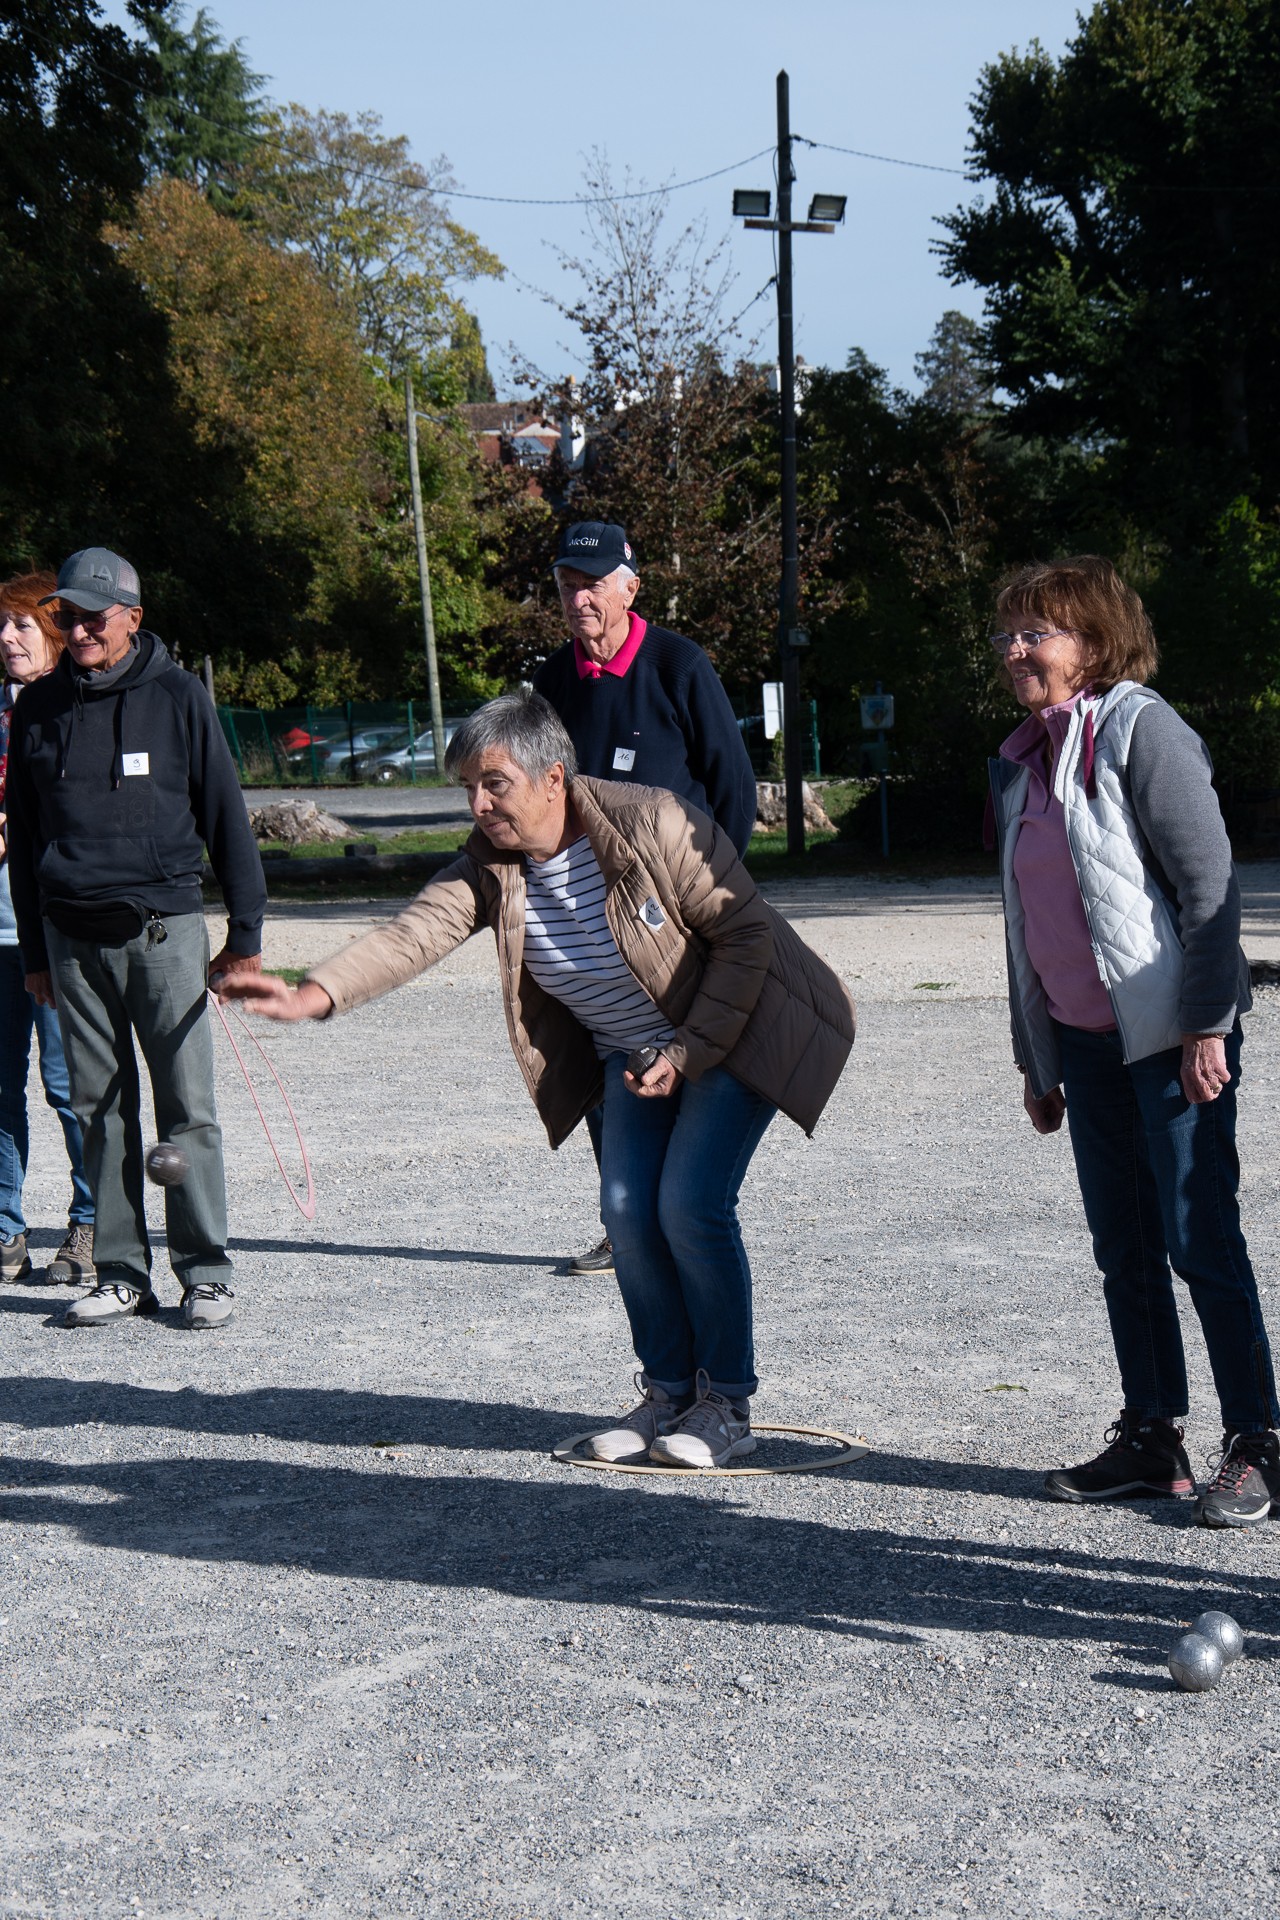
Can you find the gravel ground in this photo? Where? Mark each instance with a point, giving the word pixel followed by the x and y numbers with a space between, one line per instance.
pixel 300 1618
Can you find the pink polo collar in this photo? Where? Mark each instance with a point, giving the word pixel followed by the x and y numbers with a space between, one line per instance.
pixel 588 670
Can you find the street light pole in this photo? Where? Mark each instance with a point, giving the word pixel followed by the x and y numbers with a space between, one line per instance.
pixel 788 611
pixel 424 577
pixel 826 211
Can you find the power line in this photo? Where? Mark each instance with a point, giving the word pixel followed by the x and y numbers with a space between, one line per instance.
pixel 390 180
pixel 604 199
pixel 888 159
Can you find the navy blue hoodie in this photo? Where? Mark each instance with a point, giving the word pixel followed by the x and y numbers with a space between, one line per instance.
pixel 113 794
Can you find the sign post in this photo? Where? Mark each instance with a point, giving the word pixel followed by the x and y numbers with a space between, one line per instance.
pixel 877 716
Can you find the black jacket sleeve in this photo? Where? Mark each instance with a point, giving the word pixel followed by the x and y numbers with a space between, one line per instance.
pixel 20 834
pixel 718 755
pixel 223 822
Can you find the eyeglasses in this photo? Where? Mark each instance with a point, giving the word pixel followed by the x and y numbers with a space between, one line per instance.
pixel 1029 638
pixel 68 618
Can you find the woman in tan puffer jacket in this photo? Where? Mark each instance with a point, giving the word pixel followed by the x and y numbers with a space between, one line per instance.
pixel 624 918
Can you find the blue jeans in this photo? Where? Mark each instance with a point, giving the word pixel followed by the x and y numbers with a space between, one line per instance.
pixel 19 1017
pixel 670 1171
pixel 1159 1178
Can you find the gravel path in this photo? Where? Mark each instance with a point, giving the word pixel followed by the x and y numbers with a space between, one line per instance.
pixel 300 1618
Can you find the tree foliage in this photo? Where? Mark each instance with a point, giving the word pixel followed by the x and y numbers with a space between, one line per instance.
pixel 373 223
pixel 682 431
pixel 83 361
pixel 1128 254
pixel 269 375
pixel 208 111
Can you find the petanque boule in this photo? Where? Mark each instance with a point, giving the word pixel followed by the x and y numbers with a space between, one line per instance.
pixel 639 1061
pixel 1195 1663
pixel 1223 1632
pixel 167 1165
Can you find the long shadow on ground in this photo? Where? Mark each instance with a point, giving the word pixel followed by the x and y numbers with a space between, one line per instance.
pixel 668 1550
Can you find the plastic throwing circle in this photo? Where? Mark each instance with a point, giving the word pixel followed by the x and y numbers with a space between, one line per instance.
pixel 307 1207
pixel 850 1449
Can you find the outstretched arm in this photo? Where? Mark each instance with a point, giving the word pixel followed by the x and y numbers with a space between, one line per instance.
pixel 274 998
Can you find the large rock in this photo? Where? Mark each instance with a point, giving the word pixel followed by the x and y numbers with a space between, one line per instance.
pixel 292 823
pixel 771 809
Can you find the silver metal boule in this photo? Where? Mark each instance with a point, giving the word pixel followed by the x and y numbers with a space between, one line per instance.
pixel 1195 1663
pixel 1224 1633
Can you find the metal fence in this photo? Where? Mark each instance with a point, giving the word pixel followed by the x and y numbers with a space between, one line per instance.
pixel 766 755
pixel 384 741
pixel 380 741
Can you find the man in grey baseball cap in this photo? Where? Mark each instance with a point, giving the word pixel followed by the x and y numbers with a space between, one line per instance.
pixel 119 780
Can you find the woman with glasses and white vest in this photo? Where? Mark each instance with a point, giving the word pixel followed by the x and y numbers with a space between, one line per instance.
pixel 1126 980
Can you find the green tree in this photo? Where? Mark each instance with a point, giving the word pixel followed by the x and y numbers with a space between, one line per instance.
pixel 375 226
pixel 953 372
pixel 83 381
pixel 273 388
pixel 1127 253
pixel 208 110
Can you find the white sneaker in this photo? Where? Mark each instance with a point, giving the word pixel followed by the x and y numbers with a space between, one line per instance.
pixel 109 1304
pixel 710 1434
pixel 656 1414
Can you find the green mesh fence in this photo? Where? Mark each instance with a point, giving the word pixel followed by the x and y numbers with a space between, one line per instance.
pixel 364 742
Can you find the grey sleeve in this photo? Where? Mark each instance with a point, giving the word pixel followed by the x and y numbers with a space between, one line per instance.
pixel 1170 781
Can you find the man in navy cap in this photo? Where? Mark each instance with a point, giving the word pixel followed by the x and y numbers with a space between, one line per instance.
pixel 641 704
pixel 119 779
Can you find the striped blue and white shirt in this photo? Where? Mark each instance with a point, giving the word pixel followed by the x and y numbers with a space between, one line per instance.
pixel 572 955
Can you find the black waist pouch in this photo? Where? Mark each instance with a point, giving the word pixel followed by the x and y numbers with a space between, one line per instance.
pixel 107 923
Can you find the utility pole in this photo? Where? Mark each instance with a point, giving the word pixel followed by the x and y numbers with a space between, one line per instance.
pixel 792 756
pixel 825 213
pixel 424 577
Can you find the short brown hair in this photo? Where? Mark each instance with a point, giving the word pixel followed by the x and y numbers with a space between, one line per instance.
pixel 23 594
pixel 1086 595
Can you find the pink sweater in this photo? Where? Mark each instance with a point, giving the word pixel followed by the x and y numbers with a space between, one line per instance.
pixel 1057 931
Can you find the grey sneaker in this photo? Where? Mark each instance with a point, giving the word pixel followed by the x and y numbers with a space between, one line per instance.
pixel 72 1265
pixel 712 1432
pixel 1244 1487
pixel 206 1305
pixel 110 1302
pixel 599 1260
pixel 15 1261
pixel 631 1440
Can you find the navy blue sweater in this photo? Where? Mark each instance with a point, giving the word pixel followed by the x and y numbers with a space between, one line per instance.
pixel 113 793
pixel 666 722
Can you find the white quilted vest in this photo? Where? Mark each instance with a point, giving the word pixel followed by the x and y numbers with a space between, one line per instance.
pixel 1133 926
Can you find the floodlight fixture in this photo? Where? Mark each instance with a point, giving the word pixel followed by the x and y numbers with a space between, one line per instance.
pixel 751 204
pixel 828 207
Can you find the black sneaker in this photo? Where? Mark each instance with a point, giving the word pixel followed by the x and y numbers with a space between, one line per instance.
pixel 599 1260
pixel 1141 1457
pixel 1244 1487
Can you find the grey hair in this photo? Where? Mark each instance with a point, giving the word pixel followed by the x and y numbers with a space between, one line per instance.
pixel 522 725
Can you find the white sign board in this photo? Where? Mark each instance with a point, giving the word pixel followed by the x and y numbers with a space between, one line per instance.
pixel 877 711
pixel 772 708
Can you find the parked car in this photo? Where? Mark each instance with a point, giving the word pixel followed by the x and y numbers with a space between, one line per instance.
pixel 415 756
pixel 344 750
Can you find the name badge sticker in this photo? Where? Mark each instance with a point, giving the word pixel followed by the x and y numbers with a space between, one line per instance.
pixel 652 915
pixel 136 763
pixel 624 758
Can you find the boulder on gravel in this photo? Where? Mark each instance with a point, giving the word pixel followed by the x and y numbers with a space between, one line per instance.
pixel 292 823
pixel 771 809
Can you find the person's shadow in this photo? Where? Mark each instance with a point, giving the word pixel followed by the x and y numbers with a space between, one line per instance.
pixel 655 1547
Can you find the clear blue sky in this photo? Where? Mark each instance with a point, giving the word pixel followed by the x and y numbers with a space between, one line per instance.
pixel 516 95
